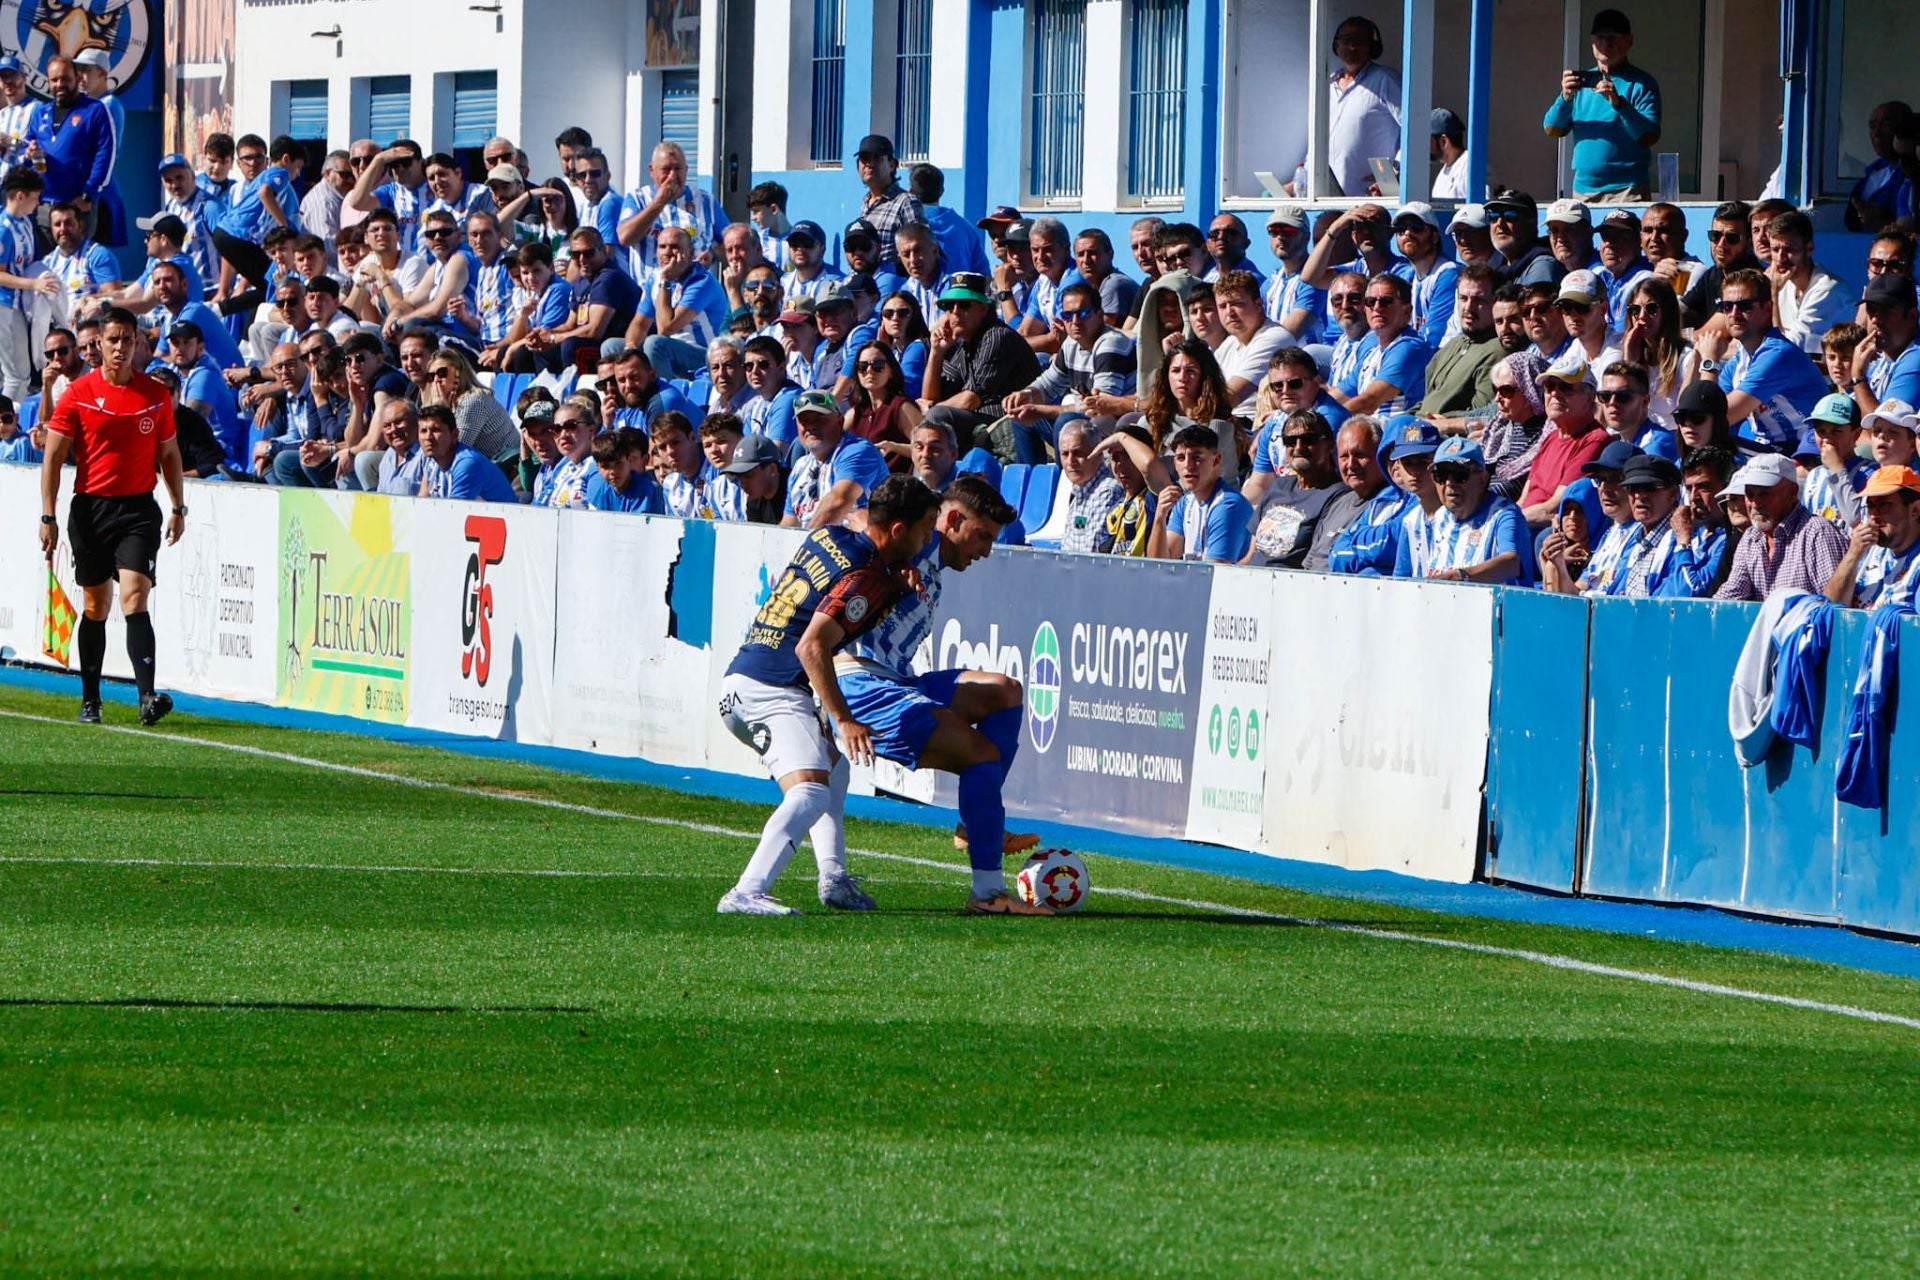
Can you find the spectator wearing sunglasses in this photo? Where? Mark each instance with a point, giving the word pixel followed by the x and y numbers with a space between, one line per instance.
pixel 1573 437
pixel 1094 358
pixel 1514 224
pixel 1621 405
pixel 1886 364
pixel 1770 383
pixel 1475 536
pixel 1290 506
pixel 449 276
pixel 1293 385
pixel 769 410
pixel 1729 248
pixel 16 445
pixel 1582 304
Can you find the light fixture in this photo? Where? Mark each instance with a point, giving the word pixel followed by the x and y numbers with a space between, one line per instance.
pixel 328 35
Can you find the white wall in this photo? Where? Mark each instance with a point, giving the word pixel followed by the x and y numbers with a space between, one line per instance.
pixel 574 80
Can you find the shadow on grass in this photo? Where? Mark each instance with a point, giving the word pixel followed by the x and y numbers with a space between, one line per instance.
pixel 273 1006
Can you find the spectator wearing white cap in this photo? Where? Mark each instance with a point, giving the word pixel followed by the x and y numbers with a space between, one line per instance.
pixel 1808 299
pixel 1573 437
pixel 1582 304
pixel 1611 110
pixel 1476 536
pixel 1288 299
pixel 1882 561
pixel 95 65
pixel 1786 549
pixel 1570 235
pixel 1447 147
pixel 1890 431
pixel 1363 122
pixel 1770 383
pixel 1622 263
pixel 1471 230
pixel 1416 233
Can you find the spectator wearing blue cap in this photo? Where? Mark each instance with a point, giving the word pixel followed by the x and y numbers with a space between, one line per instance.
pixel 198 210
pixel 1832 489
pixel 1514 226
pixel 1447 147
pixel 811 271
pixel 1199 518
pixel 1611 110
pixel 73 136
pixel 1369 544
pixel 1566 549
pixel 1477 536
pixel 838 470
pixel 16 113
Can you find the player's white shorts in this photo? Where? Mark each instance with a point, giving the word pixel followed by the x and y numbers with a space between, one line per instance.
pixel 782 724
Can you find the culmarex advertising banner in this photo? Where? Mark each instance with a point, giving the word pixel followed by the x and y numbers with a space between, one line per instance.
pixel 346 603
pixel 1111 654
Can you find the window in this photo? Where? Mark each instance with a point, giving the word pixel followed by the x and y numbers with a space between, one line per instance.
pixel 1157 100
pixel 913 80
pixel 829 79
pixel 474 95
pixel 1871 69
pixel 680 113
pixel 306 110
pixel 389 108
pixel 1058 108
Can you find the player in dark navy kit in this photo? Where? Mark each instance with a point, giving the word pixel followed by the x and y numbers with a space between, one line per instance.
pixel 839 584
pixel 116 424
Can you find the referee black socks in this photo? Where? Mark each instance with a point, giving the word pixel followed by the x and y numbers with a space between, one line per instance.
pixel 139 653
pixel 93 652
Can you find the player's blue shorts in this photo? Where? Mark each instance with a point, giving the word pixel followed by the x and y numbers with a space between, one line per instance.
pixel 901 716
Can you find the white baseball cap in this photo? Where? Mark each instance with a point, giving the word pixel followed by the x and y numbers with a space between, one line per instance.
pixel 1470 215
pixel 1895 413
pixel 1416 211
pixel 1569 213
pixel 1764 470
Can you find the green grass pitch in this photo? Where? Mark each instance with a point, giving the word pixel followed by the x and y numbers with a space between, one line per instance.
pixel 259 1016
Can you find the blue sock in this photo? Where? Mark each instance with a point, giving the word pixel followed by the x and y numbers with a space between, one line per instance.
pixel 985 815
pixel 1002 729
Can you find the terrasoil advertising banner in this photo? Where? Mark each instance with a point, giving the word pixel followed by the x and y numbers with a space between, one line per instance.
pixel 482 640
pixel 346 603
pixel 1230 737
pixel 630 677
pixel 1111 656
pixel 215 609
pixel 1377 749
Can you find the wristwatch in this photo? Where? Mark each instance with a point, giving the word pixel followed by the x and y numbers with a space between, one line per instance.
pixel 180 511
pixel 1709 366
pixel 1003 295
pixel 48 520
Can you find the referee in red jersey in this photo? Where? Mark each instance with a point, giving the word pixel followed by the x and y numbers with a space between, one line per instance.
pixel 115 423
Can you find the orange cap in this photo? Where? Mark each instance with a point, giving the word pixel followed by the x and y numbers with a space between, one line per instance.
pixel 1892 480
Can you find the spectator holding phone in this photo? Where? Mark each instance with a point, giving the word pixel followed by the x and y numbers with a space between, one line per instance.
pixel 1612 112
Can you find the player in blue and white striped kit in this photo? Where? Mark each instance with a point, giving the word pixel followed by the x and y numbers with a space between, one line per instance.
pixel 840 583
pixel 966 723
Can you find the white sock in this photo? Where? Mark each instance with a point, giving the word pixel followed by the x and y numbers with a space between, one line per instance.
pixel 988 884
pixel 797 811
pixel 830 832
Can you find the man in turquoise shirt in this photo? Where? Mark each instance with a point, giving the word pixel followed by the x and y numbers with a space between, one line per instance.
pixel 1612 112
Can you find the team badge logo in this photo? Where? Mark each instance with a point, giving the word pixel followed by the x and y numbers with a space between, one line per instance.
pixel 146 426
pixel 42 29
pixel 857 609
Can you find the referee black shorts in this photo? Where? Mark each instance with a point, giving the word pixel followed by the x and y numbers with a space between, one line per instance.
pixel 110 534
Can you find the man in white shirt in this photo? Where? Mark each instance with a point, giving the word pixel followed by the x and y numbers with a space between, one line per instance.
pixel 1808 299
pixel 1449 147
pixel 1251 337
pixel 1364 119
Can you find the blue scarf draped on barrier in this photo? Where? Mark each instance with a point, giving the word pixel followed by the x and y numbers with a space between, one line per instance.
pixel 1861 778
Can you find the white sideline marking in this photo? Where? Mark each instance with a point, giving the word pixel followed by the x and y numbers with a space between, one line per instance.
pixel 1543 958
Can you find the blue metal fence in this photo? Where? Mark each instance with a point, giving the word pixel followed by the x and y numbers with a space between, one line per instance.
pixel 829 79
pixel 1058 106
pixel 913 80
pixel 1157 100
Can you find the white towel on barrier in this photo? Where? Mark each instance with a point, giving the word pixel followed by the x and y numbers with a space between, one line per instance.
pixel 1750 701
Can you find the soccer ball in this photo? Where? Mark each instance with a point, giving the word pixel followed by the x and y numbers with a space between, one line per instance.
pixel 1054 878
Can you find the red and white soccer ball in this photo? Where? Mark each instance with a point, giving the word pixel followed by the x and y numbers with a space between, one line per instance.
pixel 1054 878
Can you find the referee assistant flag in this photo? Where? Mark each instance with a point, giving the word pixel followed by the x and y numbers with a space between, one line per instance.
pixel 57 642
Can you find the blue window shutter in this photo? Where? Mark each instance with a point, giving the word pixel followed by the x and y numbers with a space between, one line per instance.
pixel 307 110
pixel 913 80
pixel 474 112
pixel 1058 106
pixel 829 79
pixel 680 113
pixel 1157 100
pixel 389 108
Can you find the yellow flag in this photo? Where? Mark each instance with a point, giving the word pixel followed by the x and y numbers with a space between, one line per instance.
pixel 57 643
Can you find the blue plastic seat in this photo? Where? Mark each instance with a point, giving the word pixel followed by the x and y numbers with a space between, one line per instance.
pixel 1038 503
pixel 1013 483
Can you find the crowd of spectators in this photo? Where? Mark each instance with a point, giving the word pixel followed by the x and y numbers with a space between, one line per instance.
pixel 1566 397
